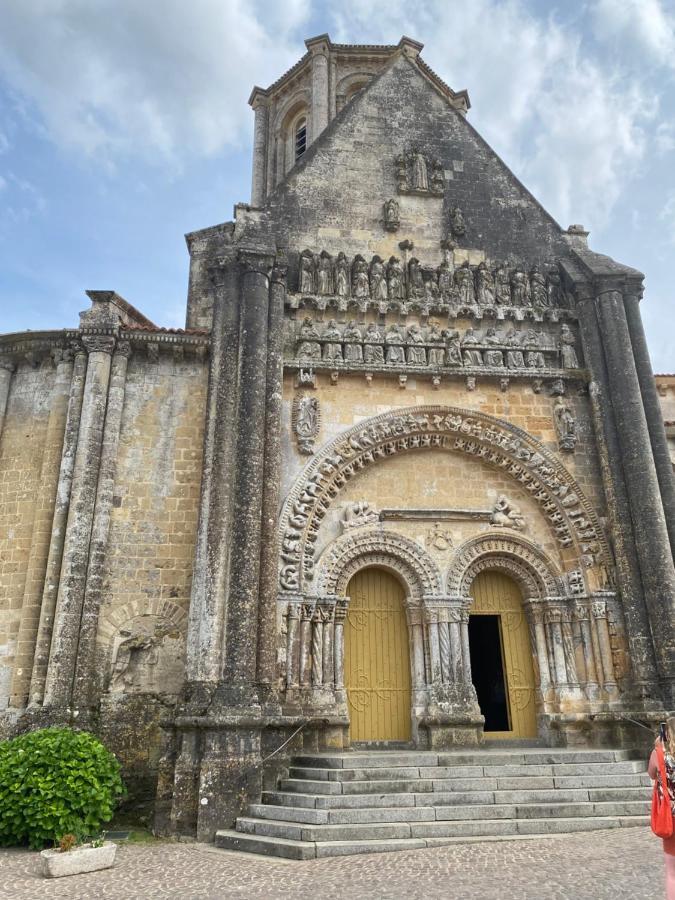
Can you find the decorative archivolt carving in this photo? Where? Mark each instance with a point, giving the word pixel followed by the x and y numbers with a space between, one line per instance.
pixel 495 442
pixel 519 558
pixel 377 547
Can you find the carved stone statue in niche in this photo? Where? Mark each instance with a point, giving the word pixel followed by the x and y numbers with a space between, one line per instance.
pixel 420 178
pixel 332 347
pixel 457 223
pixel 395 279
pixel 565 425
pixel 445 279
pixel 324 274
pixel 360 287
pixel 373 350
pixel 437 176
pixel 506 515
pixel 378 283
pixel 430 285
pixel 306 272
pixel 358 514
pixel 453 349
pixel 342 275
pixel 147 657
pixel 502 285
pixel 306 422
pixel 535 358
pixel 464 284
pixel 402 173
pixel 554 289
pixel 514 355
pixel 392 218
pixel 485 286
pixel 309 348
pixel 395 340
pixel 436 352
pixel 493 357
pixel 352 340
pixel 471 355
pixel 567 348
pixel 415 279
pixel 416 352
pixel 538 291
pixel 520 289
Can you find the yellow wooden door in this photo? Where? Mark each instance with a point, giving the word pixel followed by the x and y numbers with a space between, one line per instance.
pixel 377 659
pixel 498 595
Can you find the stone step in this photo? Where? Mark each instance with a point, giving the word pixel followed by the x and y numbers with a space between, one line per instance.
pixel 228 839
pixel 363 759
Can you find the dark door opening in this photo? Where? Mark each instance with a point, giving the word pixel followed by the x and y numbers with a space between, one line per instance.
pixel 487 671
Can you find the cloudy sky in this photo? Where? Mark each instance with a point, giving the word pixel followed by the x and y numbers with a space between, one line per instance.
pixel 124 124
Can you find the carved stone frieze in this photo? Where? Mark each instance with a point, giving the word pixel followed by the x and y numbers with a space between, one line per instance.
pixel 359 514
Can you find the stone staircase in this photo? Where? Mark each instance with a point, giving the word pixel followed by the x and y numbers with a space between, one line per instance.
pixel 365 802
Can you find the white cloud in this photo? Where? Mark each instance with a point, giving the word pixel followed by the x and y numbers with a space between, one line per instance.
pixel 641 24
pixel 667 216
pixel 123 78
pixel 664 138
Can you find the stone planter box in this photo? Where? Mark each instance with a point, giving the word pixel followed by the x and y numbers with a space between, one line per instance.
pixel 74 862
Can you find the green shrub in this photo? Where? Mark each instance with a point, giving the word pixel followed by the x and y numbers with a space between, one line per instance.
pixel 55 781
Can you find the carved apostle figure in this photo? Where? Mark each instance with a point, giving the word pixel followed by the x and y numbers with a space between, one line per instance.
pixel 567 352
pixel 514 355
pixel 306 272
pixel 391 215
pixel 324 274
pixel 378 283
pixel 437 351
pixel 342 275
pixel 464 284
pixel 453 349
pixel 307 422
pixel 493 357
pixel 502 285
pixel 416 352
pixel 535 358
pixel 565 426
pixel 420 178
pixel 309 347
pixel 520 288
pixel 395 285
pixel 457 223
pixel 352 341
pixel 373 350
pixel 395 340
pixel 437 176
pixel 360 286
pixel 332 342
pixel 555 295
pixel 485 285
pixel 506 514
pixel 445 279
pixel 471 355
pixel 430 286
pixel 538 292
pixel 415 279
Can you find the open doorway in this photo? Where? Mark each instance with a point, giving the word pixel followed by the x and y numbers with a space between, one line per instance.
pixel 487 671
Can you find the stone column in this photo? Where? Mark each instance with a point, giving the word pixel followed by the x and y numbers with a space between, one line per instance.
pixel 582 616
pixel 553 619
pixel 599 609
pixel 58 528
pixel 466 652
pixel 6 369
pixel 319 53
pixel 87 678
pixel 455 633
pixel 317 646
pixel 339 645
pixel 306 644
pixel 536 617
pixel 417 629
pixel 652 407
pixel 42 528
pixel 328 643
pixel 431 618
pixel 269 540
pixel 258 186
pixel 651 534
pixel 292 645
pixel 63 653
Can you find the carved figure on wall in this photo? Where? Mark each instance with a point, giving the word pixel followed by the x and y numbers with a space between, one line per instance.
pixel 395 340
pixel 430 285
pixel 402 173
pixel 535 358
pixel 392 218
pixel 566 426
pixel 342 275
pixel 554 289
pixel 358 514
pixel 309 348
pixel 453 349
pixel 519 289
pixel 506 514
pixel 492 357
pixel 538 291
pixel 332 347
pixel 306 422
pixel 378 284
pixel 415 279
pixel 464 284
pixel 360 287
pixel 437 352
pixel 351 336
pixel 439 538
pixel 306 272
pixel 416 352
pixel 373 350
pixel 324 274
pixel 437 176
pixel 502 285
pixel 457 223
pixel 420 178
pixel 445 279
pixel 485 285
pixel 395 279
pixel 470 353
pixel 147 656
pixel 514 355
pixel 567 348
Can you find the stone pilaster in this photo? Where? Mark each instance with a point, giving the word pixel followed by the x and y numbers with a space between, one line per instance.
pixel 63 653
pixel 318 47
pixel 42 528
pixel 6 369
pixel 260 127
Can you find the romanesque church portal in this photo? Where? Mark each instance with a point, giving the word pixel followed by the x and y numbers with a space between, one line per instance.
pixel 402 482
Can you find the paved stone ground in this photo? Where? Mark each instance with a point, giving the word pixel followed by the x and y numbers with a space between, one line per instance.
pixel 625 864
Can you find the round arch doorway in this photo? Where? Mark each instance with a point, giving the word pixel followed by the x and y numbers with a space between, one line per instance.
pixel 377 658
pixel 501 657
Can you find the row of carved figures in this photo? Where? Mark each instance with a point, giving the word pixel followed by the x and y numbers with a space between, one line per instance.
pixel 321 274
pixel 416 346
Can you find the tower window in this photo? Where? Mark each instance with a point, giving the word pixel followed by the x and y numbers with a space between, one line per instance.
pixel 300 138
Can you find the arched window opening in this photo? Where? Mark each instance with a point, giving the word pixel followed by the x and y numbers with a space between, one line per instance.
pixel 300 138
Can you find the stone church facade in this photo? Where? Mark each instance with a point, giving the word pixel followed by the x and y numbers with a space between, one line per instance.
pixel 403 480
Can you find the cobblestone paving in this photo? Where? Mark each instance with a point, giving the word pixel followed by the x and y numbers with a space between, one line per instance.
pixel 625 864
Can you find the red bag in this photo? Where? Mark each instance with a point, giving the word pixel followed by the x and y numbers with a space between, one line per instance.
pixel 662 814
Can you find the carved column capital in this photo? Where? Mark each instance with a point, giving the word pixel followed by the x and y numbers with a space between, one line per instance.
pixel 279 273
pixel 341 610
pixel 255 262
pixel 580 611
pixel 98 343
pixel 599 608
pixel 123 348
